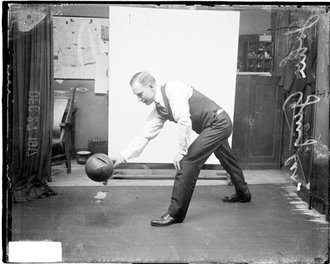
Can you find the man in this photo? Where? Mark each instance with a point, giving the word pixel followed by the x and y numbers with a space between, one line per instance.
pixel 191 110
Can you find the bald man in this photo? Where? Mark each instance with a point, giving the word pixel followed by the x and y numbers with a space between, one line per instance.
pixel 191 110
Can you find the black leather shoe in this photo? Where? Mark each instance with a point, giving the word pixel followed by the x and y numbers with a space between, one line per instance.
pixel 245 197
pixel 165 220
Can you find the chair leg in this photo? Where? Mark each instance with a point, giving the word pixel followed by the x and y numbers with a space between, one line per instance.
pixel 68 159
pixel 49 171
pixel 67 154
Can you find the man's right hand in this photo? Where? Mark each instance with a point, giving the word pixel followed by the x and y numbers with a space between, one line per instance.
pixel 117 160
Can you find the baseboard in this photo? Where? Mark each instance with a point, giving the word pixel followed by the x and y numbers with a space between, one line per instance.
pixel 260 166
pixel 131 165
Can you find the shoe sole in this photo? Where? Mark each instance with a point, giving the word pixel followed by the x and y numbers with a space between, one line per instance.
pixel 161 225
pixel 237 201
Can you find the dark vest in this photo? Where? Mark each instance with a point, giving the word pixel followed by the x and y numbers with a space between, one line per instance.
pixel 202 110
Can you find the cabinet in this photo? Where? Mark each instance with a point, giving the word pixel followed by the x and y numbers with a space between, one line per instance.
pixel 255 54
pixel 257 122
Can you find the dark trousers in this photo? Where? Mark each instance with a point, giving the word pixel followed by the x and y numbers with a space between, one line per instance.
pixel 213 139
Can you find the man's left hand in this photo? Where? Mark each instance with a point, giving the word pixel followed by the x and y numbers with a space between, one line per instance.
pixel 176 160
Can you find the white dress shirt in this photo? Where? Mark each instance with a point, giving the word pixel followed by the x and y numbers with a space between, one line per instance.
pixel 178 95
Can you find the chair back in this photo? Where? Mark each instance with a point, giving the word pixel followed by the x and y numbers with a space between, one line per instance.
pixel 63 107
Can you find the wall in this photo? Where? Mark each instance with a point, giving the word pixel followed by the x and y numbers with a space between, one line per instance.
pixel 91 117
pixel 255 21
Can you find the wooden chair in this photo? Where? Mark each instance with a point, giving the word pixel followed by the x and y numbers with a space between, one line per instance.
pixel 62 123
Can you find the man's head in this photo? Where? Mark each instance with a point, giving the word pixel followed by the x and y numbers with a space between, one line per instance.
pixel 144 87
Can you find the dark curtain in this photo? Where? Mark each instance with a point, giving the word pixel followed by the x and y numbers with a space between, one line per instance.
pixel 30 110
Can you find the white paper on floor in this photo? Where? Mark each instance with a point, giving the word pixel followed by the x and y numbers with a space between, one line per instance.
pixel 100 195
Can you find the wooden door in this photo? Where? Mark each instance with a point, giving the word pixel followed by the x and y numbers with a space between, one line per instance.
pixel 257 122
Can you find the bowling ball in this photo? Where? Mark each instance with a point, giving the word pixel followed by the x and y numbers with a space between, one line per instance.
pixel 99 167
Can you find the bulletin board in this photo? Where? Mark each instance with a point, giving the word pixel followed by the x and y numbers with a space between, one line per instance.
pixel 78 44
pixel 197 47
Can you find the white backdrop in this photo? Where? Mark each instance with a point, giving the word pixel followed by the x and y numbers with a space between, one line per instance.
pixel 196 47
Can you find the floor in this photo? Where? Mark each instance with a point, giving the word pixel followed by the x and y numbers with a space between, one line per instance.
pixel 111 223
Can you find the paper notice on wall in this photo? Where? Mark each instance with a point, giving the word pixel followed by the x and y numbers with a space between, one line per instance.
pixel 101 73
pixel 77 42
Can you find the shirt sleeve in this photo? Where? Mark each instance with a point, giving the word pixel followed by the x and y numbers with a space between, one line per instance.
pixel 178 95
pixel 153 127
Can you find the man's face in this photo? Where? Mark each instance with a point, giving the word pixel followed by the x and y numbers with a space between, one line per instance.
pixel 145 94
